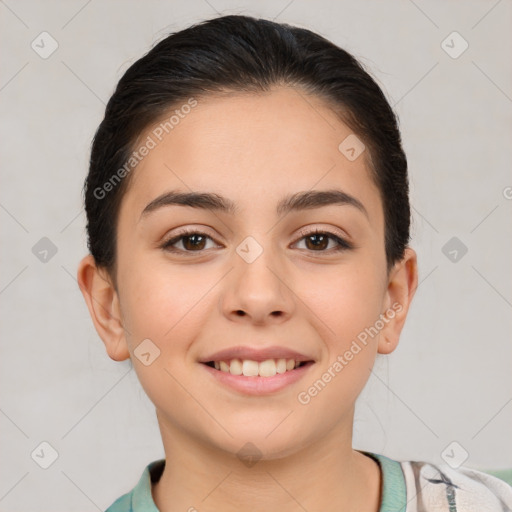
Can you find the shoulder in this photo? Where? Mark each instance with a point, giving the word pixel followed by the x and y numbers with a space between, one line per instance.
pixel 433 487
pixel 140 499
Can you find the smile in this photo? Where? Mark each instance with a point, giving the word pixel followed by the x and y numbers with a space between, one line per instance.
pixel 250 368
pixel 250 377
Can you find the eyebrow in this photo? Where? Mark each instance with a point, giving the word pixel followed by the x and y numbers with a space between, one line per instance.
pixel 305 200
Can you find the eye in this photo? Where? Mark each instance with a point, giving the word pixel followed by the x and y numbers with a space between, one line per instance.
pixel 192 241
pixel 196 241
pixel 318 241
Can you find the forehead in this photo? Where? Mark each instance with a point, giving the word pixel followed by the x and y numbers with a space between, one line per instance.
pixel 249 147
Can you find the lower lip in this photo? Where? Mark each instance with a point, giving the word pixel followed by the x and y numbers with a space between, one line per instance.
pixel 259 385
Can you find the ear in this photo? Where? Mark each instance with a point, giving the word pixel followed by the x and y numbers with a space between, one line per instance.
pixel 103 303
pixel 402 284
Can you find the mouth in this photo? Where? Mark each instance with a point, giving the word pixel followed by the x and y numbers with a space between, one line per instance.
pixel 251 368
pixel 257 378
pixel 257 371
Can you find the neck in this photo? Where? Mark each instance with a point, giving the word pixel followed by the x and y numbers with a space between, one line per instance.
pixel 325 475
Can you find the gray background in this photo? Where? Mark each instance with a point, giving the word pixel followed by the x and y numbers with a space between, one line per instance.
pixel 449 380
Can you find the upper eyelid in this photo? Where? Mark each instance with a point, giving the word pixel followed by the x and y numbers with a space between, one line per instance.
pixel 311 231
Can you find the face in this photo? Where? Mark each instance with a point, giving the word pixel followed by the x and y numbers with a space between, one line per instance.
pixel 264 278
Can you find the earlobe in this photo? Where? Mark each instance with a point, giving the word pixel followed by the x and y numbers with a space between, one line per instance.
pixel 103 303
pixel 402 284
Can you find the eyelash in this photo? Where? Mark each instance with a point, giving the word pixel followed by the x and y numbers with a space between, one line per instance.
pixel 343 245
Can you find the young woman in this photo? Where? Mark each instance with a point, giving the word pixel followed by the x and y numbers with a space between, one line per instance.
pixel 248 223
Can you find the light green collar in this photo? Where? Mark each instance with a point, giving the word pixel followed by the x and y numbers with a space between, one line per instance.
pixel 394 496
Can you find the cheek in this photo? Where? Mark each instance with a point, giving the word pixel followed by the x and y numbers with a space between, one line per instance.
pixel 167 307
pixel 346 307
pixel 161 302
pixel 347 300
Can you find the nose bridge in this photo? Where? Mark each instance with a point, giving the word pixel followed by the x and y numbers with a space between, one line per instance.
pixel 256 286
pixel 258 263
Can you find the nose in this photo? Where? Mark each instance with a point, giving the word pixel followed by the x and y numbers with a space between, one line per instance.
pixel 257 291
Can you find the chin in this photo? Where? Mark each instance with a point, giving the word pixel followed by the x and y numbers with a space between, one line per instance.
pixel 256 444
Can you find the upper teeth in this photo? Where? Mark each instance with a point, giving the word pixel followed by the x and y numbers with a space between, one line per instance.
pixel 249 368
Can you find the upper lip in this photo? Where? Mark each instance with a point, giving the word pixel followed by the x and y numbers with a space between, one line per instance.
pixel 255 354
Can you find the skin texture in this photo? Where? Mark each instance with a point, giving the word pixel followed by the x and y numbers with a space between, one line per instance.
pixel 254 150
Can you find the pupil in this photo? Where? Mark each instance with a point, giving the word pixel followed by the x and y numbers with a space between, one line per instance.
pixel 194 244
pixel 317 244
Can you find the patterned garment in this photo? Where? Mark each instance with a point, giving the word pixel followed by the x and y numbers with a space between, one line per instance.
pixel 440 488
pixel 409 486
